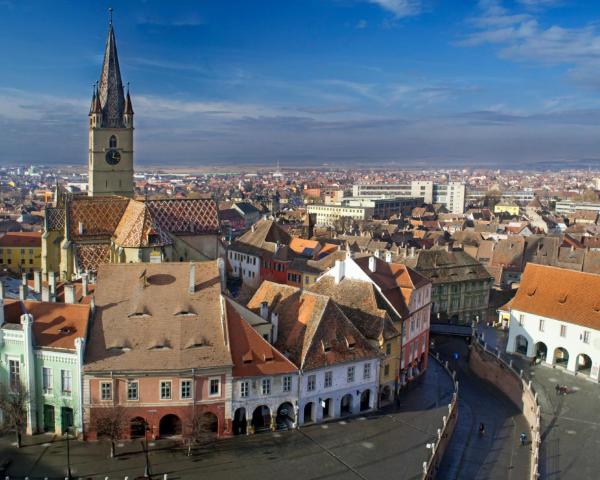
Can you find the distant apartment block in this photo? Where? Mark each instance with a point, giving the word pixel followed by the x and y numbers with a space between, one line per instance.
pixel 384 208
pixel 565 207
pixel 451 195
pixel 329 214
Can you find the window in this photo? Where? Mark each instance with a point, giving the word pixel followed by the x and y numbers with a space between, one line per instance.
pixel 350 374
pixel 367 371
pixel 388 348
pixel 287 384
pixel 165 390
pixel 521 319
pixel 328 379
pixel 311 382
pixel 106 391
pixel 186 389
pixel 30 251
pixel 65 382
pixel 265 387
pixel 22 251
pixel 47 380
pixel 244 388
pixel 586 336
pixel 386 370
pixel 563 330
pixel 541 325
pixel 15 374
pixel 214 387
pixel 132 390
pixel 112 143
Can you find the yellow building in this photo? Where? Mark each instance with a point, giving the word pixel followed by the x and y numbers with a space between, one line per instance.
pixel 505 207
pixel 21 251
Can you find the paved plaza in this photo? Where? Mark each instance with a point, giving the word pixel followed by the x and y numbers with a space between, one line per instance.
pixel 368 447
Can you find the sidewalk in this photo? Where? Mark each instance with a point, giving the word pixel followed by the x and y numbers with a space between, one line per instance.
pixel 386 443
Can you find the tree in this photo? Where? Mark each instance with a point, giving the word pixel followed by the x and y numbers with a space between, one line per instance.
pixel 109 423
pixel 13 405
pixel 201 429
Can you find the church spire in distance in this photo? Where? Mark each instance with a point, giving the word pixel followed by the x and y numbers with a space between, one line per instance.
pixel 110 90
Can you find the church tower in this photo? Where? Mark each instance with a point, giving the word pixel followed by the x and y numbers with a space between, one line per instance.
pixel 110 129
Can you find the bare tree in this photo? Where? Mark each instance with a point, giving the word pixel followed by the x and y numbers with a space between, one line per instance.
pixel 109 423
pixel 202 429
pixel 13 405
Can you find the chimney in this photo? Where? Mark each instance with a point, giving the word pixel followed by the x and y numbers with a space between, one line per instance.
pixel 376 253
pixel 339 271
pixel 412 252
pixel 274 326
pixel 192 280
pixel 45 293
pixel 253 227
pixel 52 282
pixel 37 281
pixel 372 264
pixel 264 310
pixel 85 284
pixel 23 292
pixel 69 289
pixel 2 293
pixel 388 256
pixel 24 278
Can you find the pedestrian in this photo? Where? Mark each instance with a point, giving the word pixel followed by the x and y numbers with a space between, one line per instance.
pixel 523 438
pixel 557 388
pixel 481 428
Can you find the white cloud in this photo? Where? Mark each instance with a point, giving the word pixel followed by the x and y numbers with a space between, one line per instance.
pixel 400 8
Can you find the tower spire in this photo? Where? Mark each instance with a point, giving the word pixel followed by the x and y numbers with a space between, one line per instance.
pixel 110 91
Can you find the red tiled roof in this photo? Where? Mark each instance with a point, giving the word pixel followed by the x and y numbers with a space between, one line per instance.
pixel 21 239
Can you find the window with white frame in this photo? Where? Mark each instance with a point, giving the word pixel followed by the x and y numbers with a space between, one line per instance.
pixel 521 319
pixel 586 336
pixel 133 390
pixel 541 325
pixel 287 383
pixel 328 379
pixel 244 389
pixel 47 380
pixel 563 330
pixel 214 387
pixel 350 374
pixel 105 390
pixel 65 382
pixel 14 369
pixel 186 389
pixel 165 390
pixel 265 387
pixel 367 371
pixel 311 382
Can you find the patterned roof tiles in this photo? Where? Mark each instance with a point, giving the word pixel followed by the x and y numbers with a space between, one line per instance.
pixel 189 215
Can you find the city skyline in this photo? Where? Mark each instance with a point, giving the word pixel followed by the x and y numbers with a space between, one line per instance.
pixel 404 82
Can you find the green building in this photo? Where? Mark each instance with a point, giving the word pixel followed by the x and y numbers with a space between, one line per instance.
pixel 41 347
pixel 461 285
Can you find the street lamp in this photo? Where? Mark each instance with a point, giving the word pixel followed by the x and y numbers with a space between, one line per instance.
pixel 69 476
pixel 147 473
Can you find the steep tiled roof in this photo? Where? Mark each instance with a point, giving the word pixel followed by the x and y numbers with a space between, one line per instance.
pixel 55 325
pixel 560 294
pixel 89 256
pixel 55 218
pixel 252 355
pixel 147 320
pixel 138 228
pixel 313 331
pixel 185 215
pixel 441 266
pixel 21 239
pixel 263 237
pixel 98 216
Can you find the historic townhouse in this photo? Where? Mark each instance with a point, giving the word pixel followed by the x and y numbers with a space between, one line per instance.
pixel 265 383
pixel 262 253
pixel 159 348
pixel 555 316
pixel 41 349
pixel 109 225
pixel 339 368
pixel 407 300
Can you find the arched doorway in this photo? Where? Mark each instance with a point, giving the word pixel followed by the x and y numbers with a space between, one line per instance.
pixel 386 394
pixel 261 418
pixel 346 405
pixel 521 344
pixel 561 357
pixel 308 412
pixel 239 422
pixel 583 364
pixel 365 400
pixel 169 426
pixel 541 351
pixel 326 406
pixel 285 416
pixel 210 422
pixel 137 427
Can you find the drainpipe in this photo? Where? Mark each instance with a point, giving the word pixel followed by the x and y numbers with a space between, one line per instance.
pixel 27 322
pixel 297 406
pixel 79 347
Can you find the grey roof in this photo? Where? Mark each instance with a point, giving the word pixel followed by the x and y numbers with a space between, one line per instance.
pixel 441 266
pixel 110 91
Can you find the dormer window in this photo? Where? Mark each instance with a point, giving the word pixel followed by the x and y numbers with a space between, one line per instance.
pixel 112 142
pixel 326 345
pixel 66 330
pixel 350 341
pixel 247 358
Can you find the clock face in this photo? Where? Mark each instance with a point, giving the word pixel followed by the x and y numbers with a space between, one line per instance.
pixel 113 157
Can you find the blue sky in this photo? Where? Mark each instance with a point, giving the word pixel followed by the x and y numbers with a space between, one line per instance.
pixel 406 82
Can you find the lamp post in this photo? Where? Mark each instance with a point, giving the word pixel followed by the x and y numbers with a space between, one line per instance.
pixel 68 456
pixel 147 473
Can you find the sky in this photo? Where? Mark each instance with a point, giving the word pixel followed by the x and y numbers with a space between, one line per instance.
pixel 502 83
